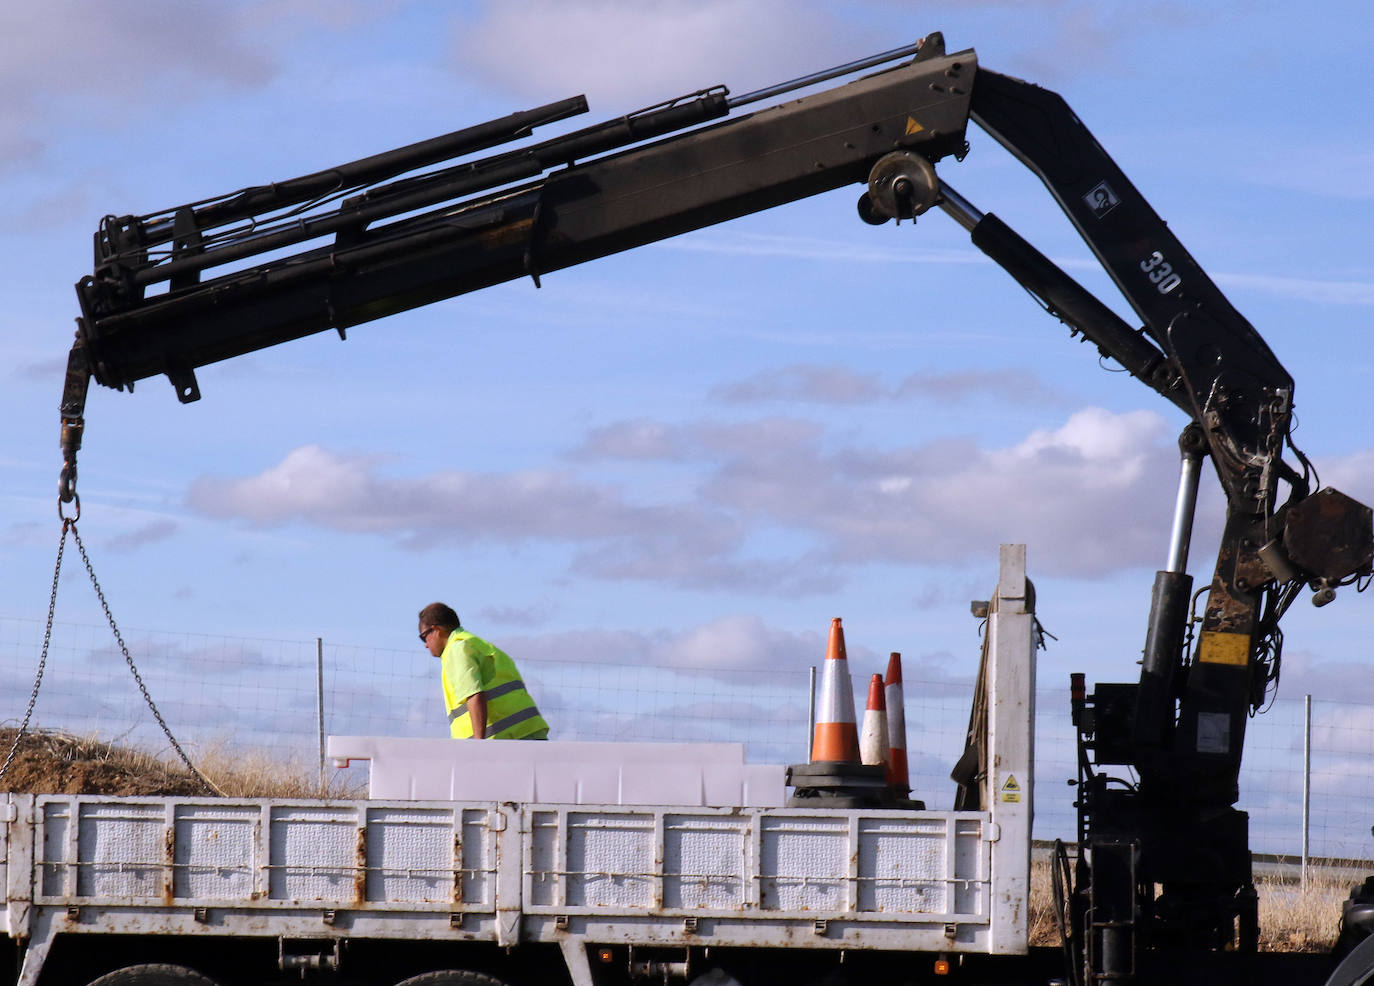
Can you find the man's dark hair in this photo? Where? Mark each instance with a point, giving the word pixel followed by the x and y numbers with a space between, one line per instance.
pixel 439 615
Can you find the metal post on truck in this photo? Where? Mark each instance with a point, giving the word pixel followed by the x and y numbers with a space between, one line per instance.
pixel 1013 638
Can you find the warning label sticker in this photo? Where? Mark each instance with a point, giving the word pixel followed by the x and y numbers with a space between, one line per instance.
pixel 1011 790
pixel 912 127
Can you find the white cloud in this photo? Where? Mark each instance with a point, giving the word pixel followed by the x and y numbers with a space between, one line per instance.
pixel 1091 496
pixel 1350 680
pixel 1352 474
pixel 729 644
pixel 823 384
pixel 805 382
pixel 692 563
pixel 101 62
pixel 341 492
pixel 149 533
pixel 113 55
pixel 652 440
pixel 734 642
pixel 639 439
pixel 1017 386
pixel 624 55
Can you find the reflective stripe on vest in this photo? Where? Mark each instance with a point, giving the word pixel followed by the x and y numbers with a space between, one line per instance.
pixel 491 693
pixel 514 719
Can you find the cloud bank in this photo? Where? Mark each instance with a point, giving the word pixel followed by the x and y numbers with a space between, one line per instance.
pixel 1091 495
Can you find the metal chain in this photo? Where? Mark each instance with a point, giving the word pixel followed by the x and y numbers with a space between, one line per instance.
pixel 123 649
pixel 43 658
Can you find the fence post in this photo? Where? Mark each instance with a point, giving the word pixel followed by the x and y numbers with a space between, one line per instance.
pixel 811 718
pixel 319 703
pixel 1306 783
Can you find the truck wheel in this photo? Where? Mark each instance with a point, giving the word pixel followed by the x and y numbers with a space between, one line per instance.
pixel 154 975
pixel 449 977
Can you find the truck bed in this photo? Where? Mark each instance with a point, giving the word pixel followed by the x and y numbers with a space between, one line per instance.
pixel 503 872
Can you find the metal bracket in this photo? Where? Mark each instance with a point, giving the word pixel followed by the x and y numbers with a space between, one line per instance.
pixel 820 927
pixel 314 955
pixel 200 915
pixel 183 380
pixel 329 917
pixel 528 259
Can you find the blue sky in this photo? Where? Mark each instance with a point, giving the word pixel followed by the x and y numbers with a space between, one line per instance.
pixel 700 451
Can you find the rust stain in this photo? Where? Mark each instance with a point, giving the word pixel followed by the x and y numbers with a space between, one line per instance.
pixel 169 858
pixel 458 866
pixel 259 876
pixel 360 868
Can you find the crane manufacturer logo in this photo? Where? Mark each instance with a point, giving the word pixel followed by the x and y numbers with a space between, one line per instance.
pixel 1101 200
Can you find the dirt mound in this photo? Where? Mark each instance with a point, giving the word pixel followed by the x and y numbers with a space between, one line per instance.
pixel 59 763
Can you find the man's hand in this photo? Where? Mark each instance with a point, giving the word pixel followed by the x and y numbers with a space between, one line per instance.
pixel 477 714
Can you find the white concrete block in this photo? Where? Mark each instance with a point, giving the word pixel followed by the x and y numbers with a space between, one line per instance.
pixel 562 772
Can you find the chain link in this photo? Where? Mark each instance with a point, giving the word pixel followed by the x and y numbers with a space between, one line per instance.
pixel 123 649
pixel 43 658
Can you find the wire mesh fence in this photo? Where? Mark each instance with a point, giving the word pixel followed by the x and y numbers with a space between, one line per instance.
pixel 253 695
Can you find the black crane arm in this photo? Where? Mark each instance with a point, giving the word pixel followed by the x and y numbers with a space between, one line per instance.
pixel 1182 726
pixel 365 264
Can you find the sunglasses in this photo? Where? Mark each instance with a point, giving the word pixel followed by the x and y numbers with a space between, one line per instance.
pixel 424 634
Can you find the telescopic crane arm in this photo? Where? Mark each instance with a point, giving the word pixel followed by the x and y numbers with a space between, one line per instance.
pixel 382 235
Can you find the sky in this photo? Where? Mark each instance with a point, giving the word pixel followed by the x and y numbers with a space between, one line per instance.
pixel 700 451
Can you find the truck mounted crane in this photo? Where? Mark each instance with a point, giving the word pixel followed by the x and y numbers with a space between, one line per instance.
pixel 1163 859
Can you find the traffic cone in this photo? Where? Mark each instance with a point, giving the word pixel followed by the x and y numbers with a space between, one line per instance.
pixel 873 748
pixel 836 739
pixel 898 776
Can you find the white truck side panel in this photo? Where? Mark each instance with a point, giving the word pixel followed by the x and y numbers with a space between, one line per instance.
pixel 204 866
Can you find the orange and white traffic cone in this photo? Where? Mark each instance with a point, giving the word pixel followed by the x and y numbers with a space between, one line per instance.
pixel 873 748
pixel 898 776
pixel 836 739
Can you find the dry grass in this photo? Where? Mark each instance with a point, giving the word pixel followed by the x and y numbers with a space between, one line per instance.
pixel 264 774
pixel 1296 920
pixel 49 762
pixel 1291 919
pixel 1041 924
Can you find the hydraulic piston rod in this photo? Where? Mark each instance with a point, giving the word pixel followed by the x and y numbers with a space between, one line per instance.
pixel 1191 448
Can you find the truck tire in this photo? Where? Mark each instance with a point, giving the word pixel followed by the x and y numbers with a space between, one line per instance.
pixel 154 975
pixel 451 977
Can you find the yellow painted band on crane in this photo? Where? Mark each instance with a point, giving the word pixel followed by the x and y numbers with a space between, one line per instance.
pixel 1215 647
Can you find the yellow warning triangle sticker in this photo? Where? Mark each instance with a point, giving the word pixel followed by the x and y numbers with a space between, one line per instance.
pixel 1011 784
pixel 912 127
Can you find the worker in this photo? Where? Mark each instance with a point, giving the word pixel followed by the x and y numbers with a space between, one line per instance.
pixel 483 693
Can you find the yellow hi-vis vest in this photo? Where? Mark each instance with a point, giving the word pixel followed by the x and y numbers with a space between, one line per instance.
pixel 470 665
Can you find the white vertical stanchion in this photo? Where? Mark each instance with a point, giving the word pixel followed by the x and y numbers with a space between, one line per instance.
pixel 811 718
pixel 1306 783
pixel 1009 787
pixel 319 703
